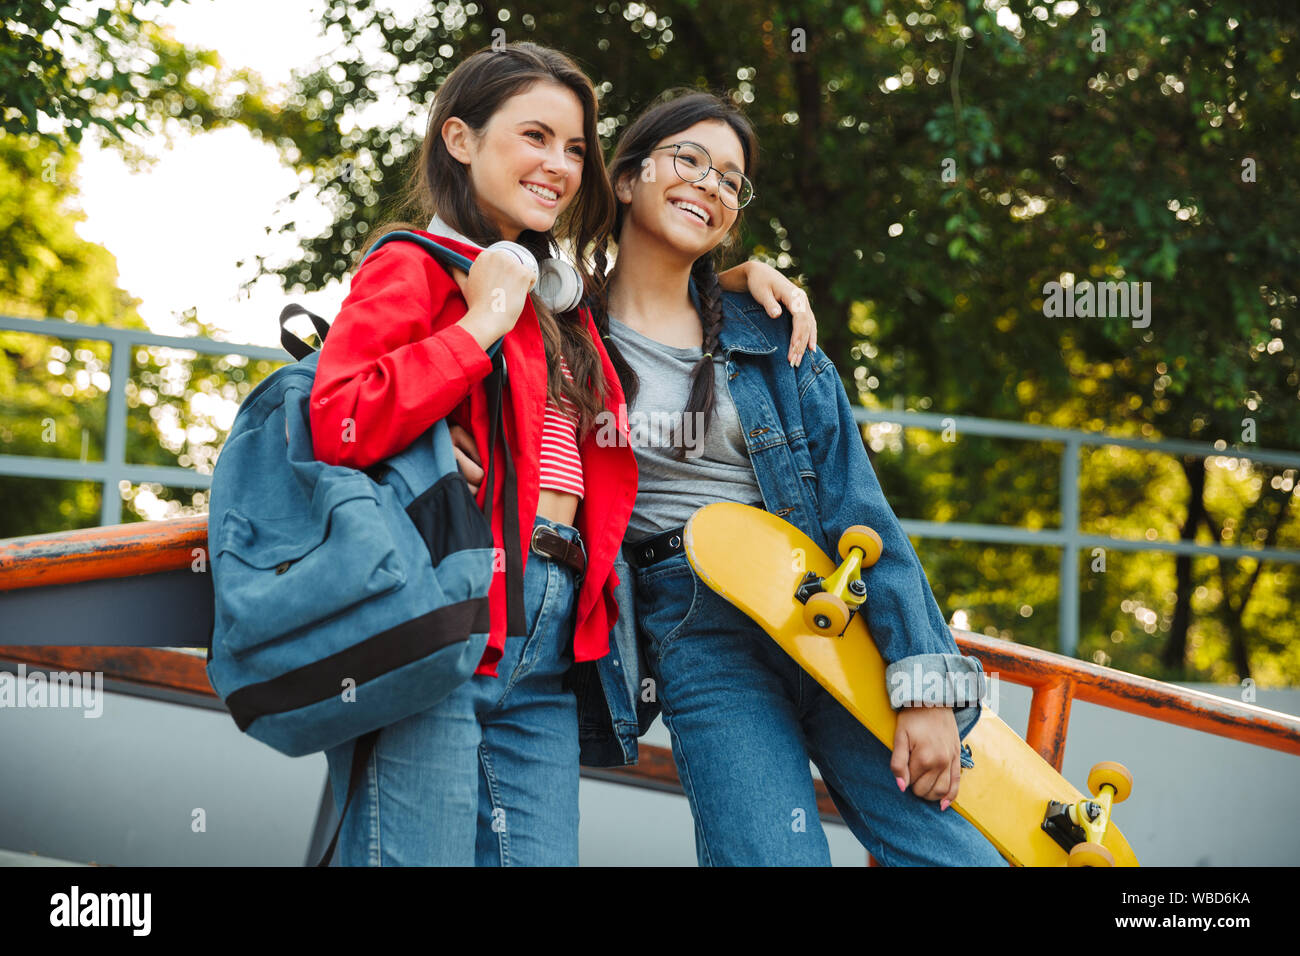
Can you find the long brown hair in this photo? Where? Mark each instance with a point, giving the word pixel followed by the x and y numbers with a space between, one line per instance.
pixel 441 184
pixel 676 110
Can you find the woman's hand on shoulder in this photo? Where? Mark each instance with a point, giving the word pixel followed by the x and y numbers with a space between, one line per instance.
pixel 927 753
pixel 772 291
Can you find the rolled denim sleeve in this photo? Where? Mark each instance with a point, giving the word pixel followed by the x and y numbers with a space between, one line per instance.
pixel 901 611
pixel 930 680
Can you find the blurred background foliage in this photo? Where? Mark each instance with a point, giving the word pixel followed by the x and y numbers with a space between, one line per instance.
pixel 926 168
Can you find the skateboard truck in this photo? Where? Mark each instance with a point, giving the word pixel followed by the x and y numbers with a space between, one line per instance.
pixel 1080 827
pixel 830 602
pixel 812 585
pixel 1060 821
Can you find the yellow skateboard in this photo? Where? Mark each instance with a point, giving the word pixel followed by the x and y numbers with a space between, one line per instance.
pixel 807 604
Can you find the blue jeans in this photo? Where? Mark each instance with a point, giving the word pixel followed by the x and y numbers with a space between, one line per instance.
pixel 746 720
pixel 488 776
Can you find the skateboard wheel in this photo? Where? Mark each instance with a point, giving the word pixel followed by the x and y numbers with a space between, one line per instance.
pixel 860 536
pixel 1114 774
pixel 1090 854
pixel 825 614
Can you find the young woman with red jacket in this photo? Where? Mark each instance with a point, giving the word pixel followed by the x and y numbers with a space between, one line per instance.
pixel 489 775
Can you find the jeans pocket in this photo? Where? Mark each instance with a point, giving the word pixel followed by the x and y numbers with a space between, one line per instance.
pixel 537 584
pixel 967 761
pixel 666 601
pixel 535 587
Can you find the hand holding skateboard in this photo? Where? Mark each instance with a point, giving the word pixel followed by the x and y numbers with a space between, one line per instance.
pixel 927 753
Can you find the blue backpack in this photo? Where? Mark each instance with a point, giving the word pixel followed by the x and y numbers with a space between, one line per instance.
pixel 346 600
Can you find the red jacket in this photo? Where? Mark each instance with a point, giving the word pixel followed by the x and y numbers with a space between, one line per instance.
pixel 395 362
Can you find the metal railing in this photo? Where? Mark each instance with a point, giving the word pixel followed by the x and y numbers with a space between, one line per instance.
pixel 38 570
pixel 115 468
pixel 1068 537
pixel 42 577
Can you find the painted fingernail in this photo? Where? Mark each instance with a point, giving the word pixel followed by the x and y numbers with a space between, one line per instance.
pixel 943 804
pixel 901 784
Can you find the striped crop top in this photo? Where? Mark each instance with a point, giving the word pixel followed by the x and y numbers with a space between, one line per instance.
pixel 561 465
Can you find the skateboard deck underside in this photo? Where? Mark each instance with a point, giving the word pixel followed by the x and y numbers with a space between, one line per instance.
pixel 755 561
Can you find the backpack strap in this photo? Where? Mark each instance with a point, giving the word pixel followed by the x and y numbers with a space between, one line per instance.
pixel 447 258
pixel 516 623
pixel 361 752
pixel 294 345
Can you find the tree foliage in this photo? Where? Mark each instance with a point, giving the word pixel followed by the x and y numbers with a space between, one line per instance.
pixel 927 169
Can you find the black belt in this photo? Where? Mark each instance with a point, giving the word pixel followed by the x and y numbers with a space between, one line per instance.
pixel 551 544
pixel 657 547
pixel 651 550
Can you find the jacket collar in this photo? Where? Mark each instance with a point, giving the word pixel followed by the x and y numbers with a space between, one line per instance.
pixel 739 333
pixel 439 227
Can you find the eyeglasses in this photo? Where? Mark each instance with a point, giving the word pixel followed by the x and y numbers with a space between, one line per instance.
pixel 692 162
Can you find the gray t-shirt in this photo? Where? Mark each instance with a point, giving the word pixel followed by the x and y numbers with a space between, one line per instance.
pixel 719 469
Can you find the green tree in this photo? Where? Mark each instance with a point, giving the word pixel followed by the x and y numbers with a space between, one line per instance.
pixel 64 71
pixel 52 392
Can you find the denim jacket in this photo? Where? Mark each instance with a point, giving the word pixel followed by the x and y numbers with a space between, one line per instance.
pixel 813 471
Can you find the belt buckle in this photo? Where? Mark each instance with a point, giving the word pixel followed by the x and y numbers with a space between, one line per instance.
pixel 566 543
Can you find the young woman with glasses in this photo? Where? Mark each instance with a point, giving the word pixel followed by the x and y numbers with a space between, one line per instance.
pixel 745 720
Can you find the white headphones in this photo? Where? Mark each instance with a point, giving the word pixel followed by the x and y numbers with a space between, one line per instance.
pixel 557 283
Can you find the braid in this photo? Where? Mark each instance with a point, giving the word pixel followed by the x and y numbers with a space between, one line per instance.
pixel 600 315
pixel 702 396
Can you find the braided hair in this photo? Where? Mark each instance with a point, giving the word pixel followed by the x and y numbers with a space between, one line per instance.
pixel 676 110
pixel 703 396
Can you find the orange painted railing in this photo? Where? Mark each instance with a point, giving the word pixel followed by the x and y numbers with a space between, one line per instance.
pixel 143 548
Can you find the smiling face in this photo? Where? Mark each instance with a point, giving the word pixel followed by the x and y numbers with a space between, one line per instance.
pixel 526 163
pixel 689 217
